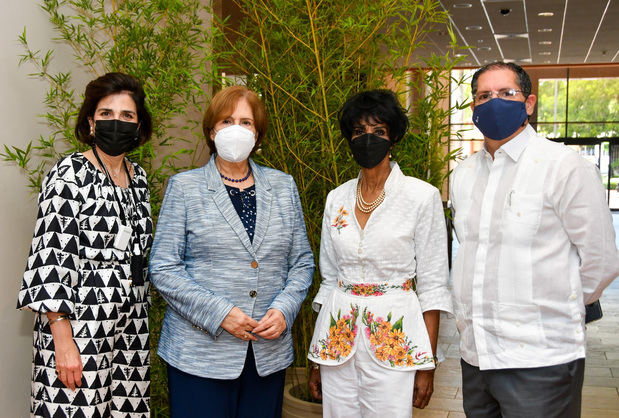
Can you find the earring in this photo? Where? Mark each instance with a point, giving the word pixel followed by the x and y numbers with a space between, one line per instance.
pixel 92 131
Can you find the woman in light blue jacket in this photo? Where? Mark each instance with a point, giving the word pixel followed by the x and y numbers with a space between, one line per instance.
pixel 232 260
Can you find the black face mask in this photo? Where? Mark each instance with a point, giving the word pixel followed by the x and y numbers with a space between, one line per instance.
pixel 115 137
pixel 369 149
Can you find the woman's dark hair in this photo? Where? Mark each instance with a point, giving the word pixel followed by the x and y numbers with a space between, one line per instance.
pixel 106 85
pixel 222 106
pixel 377 105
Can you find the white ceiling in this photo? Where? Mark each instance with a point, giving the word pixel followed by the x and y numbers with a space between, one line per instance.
pixel 572 32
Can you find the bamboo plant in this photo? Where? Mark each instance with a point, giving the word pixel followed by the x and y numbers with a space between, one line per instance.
pixel 306 58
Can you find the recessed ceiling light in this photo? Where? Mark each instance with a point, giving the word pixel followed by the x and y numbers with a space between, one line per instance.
pixel 484 48
pixel 474 27
pixel 462 6
pixel 545 42
pixel 546 14
pixel 517 60
pixel 545 53
pixel 510 35
pixel 545 30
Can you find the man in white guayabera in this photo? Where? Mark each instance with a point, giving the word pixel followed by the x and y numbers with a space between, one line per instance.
pixel 536 245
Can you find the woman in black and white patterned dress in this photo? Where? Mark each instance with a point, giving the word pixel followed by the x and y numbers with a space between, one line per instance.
pixel 85 278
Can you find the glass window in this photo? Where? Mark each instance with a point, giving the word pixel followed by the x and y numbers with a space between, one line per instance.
pixel 578 107
pixel 552 107
pixel 464 134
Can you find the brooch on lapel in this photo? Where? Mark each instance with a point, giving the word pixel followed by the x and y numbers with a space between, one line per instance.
pixel 340 221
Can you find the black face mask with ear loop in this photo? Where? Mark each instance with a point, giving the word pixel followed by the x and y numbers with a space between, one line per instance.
pixel 368 149
pixel 115 137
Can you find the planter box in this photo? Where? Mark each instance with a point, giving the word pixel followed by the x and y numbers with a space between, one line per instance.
pixel 296 408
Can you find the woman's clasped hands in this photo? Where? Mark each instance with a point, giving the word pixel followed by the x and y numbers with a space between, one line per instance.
pixel 239 324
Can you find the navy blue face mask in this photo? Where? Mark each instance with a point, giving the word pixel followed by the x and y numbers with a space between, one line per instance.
pixel 499 118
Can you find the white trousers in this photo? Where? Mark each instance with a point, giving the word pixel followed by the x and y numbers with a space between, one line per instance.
pixel 362 388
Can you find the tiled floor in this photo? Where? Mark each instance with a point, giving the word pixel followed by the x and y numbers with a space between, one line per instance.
pixel 600 397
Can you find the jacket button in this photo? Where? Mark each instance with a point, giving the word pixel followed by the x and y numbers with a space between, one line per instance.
pixel 253 293
pixel 254 264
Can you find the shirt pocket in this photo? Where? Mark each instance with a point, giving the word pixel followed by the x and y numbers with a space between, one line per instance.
pixel 524 208
pixel 518 326
pixel 521 217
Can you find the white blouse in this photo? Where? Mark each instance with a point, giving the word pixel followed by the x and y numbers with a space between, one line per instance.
pixel 382 278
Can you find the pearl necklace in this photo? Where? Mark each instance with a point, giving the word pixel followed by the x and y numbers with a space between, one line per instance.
pixel 364 206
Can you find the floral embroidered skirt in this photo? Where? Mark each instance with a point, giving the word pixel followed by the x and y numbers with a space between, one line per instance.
pixel 386 317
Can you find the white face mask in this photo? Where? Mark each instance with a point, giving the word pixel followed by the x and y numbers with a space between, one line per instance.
pixel 234 143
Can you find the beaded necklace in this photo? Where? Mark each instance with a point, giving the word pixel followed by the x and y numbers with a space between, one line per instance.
pixel 236 180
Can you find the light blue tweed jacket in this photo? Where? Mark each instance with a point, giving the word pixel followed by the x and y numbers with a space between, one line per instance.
pixel 201 262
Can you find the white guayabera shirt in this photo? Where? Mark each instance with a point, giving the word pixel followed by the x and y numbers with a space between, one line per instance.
pixel 536 244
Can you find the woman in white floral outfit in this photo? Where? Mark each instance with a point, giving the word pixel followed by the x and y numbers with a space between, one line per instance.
pixel 383 261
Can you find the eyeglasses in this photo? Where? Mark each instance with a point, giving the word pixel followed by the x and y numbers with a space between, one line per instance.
pixel 484 96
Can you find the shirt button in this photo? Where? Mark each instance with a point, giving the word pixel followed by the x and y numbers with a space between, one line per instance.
pixel 578 331
pixel 254 264
pixel 359 251
pixel 573 296
pixel 253 293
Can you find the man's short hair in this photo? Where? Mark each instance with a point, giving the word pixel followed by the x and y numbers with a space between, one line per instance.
pixel 522 78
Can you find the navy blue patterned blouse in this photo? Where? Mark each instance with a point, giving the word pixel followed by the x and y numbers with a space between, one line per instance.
pixel 244 201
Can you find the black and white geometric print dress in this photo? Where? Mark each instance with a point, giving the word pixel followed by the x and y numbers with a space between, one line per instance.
pixel 74 268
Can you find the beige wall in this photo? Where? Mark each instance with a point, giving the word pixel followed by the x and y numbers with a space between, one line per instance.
pixel 22 101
